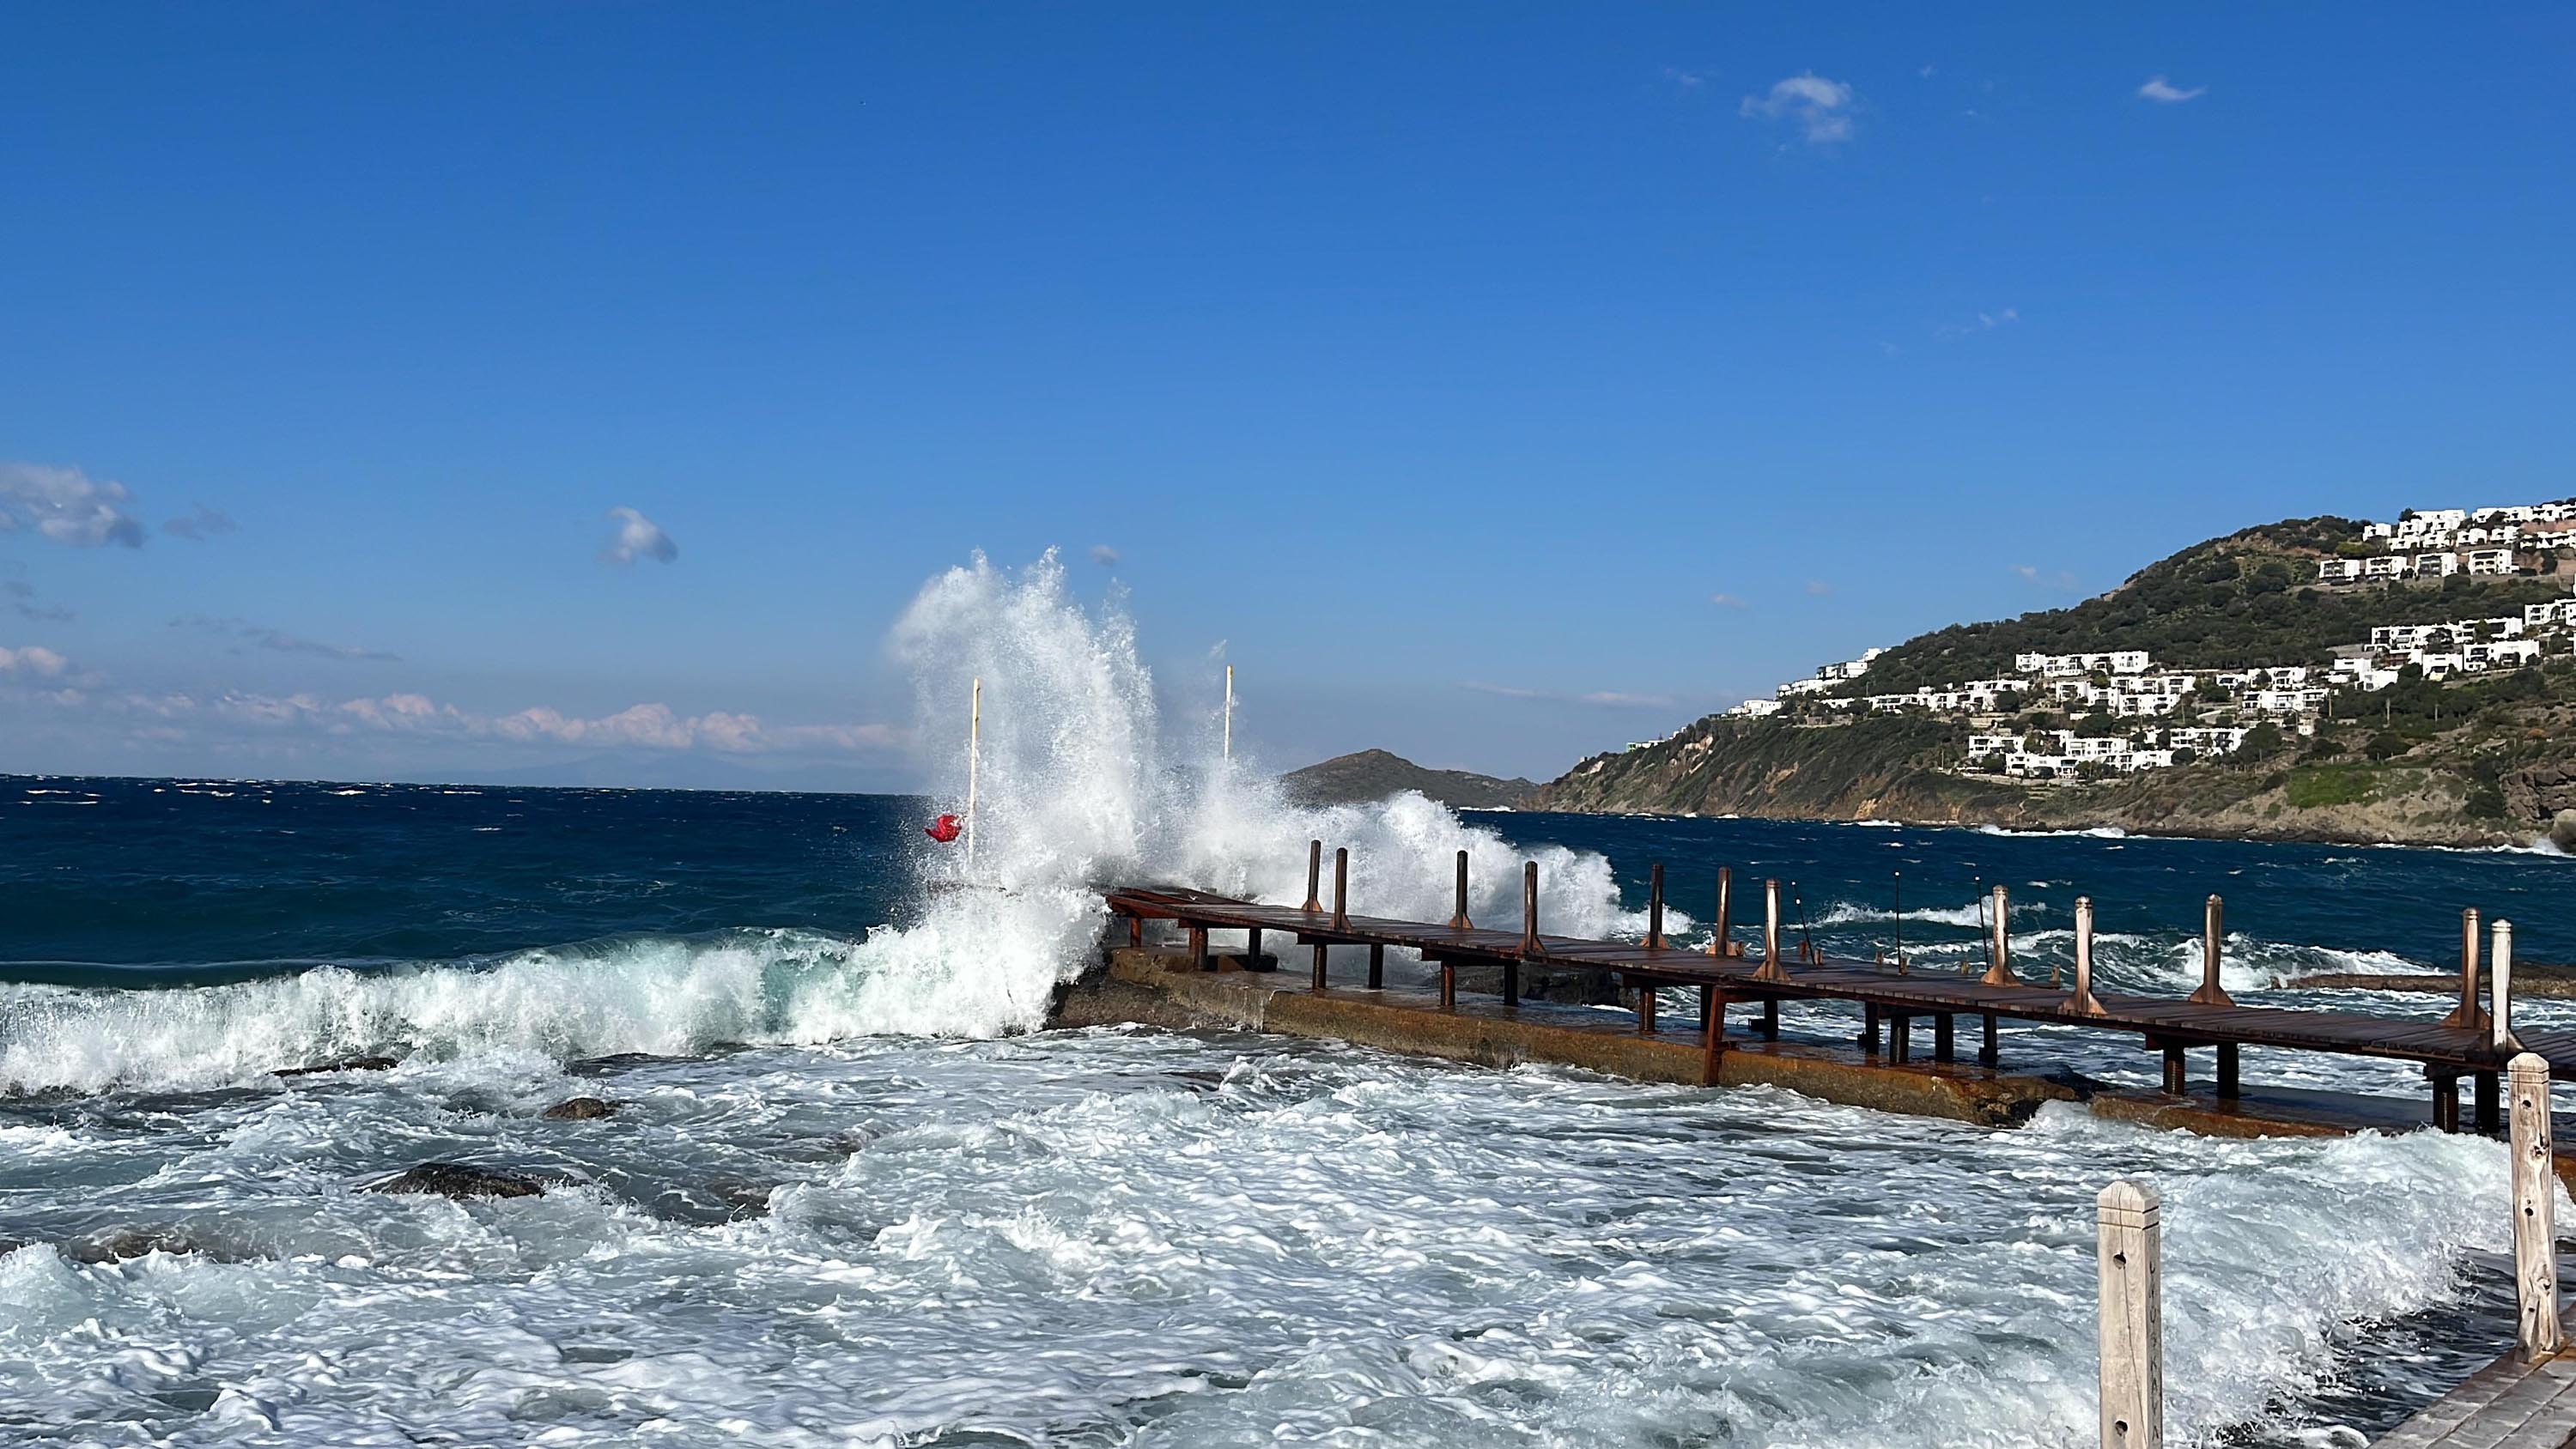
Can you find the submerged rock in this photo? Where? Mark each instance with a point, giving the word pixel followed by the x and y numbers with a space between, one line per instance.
pixel 458 1180
pixel 2562 831
pixel 581 1109
pixel 345 1064
pixel 115 1245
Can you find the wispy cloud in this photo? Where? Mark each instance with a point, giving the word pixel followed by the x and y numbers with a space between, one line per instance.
pixel 638 537
pixel 2062 581
pixel 1726 601
pixel 279 640
pixel 1821 109
pixel 1819 588
pixel 642 727
pixel 33 661
pixel 1604 698
pixel 2158 88
pixel 23 601
pixel 202 524
pixel 1105 556
pixel 67 506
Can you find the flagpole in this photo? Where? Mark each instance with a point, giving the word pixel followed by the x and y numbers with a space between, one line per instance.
pixel 974 751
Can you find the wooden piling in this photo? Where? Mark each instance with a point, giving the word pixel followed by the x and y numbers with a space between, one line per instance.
pixel 1771 1018
pixel 2177 1071
pixel 2446 1097
pixel 1718 944
pixel 2082 1002
pixel 1448 984
pixel 1377 968
pixel 1991 1052
pixel 2128 1256
pixel 2535 1204
pixel 1646 1010
pixel 1655 907
pixel 1199 951
pixel 1341 888
pixel 1252 949
pixel 1314 877
pixel 1944 1042
pixel 1999 970
pixel 1319 966
pixel 2211 928
pixel 1900 1037
pixel 1712 1032
pixel 2500 1023
pixel 1459 922
pixel 2468 1013
pixel 2229 1084
pixel 1771 969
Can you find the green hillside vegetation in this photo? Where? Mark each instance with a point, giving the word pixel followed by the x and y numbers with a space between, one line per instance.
pixel 2480 760
pixel 2246 599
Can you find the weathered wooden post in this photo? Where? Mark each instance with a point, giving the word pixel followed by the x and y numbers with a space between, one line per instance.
pixel 1896 924
pixel 2082 1002
pixel 1655 907
pixel 1529 934
pixel 2468 1013
pixel 1718 944
pixel 1771 969
pixel 1377 967
pixel 2128 1256
pixel 1314 877
pixel 1999 970
pixel 2500 1024
pixel 2211 927
pixel 1341 888
pixel 1459 922
pixel 2535 1205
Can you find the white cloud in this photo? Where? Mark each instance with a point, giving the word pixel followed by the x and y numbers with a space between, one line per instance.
pixel 1820 108
pixel 638 537
pixel 1726 601
pixel 1819 588
pixel 655 727
pixel 200 525
pixel 2158 88
pixel 22 600
pixel 1105 556
pixel 2061 580
pixel 280 640
pixel 67 506
pixel 34 661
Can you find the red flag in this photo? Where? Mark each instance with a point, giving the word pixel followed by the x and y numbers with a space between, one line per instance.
pixel 944 830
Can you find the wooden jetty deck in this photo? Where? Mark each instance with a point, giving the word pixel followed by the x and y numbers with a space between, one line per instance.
pixel 2473 1042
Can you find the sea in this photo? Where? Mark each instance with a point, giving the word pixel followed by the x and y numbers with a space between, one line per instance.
pixel 854 1194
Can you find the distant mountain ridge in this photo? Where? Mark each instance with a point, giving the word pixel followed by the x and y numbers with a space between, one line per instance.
pixel 1376 774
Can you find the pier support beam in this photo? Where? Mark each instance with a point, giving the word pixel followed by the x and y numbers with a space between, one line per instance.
pixel 1900 1038
pixel 1646 1010
pixel 1448 984
pixel 1198 950
pixel 1512 984
pixel 1944 1048
pixel 1712 1033
pixel 1989 1054
pixel 1252 949
pixel 2177 1072
pixel 1319 966
pixel 1771 1018
pixel 1377 968
pixel 2446 1099
pixel 1869 1027
pixel 2228 1086
pixel 2129 1256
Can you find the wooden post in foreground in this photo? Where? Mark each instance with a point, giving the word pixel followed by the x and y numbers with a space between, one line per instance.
pixel 1999 970
pixel 2500 1022
pixel 1529 909
pixel 2211 928
pixel 2535 1201
pixel 1314 877
pixel 1718 944
pixel 1341 888
pixel 2129 1256
pixel 1459 922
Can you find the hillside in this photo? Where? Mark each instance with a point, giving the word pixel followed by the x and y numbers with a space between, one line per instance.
pixel 2482 759
pixel 1376 774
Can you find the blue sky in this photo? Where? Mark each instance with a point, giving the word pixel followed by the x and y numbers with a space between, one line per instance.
pixel 1500 383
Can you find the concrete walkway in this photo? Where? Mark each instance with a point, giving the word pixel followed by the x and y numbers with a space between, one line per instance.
pixel 2506 1405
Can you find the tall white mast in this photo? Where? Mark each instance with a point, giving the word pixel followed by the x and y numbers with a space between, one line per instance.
pixel 974 752
pixel 1229 712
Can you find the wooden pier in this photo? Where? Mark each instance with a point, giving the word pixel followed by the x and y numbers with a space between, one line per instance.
pixel 2474 1041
